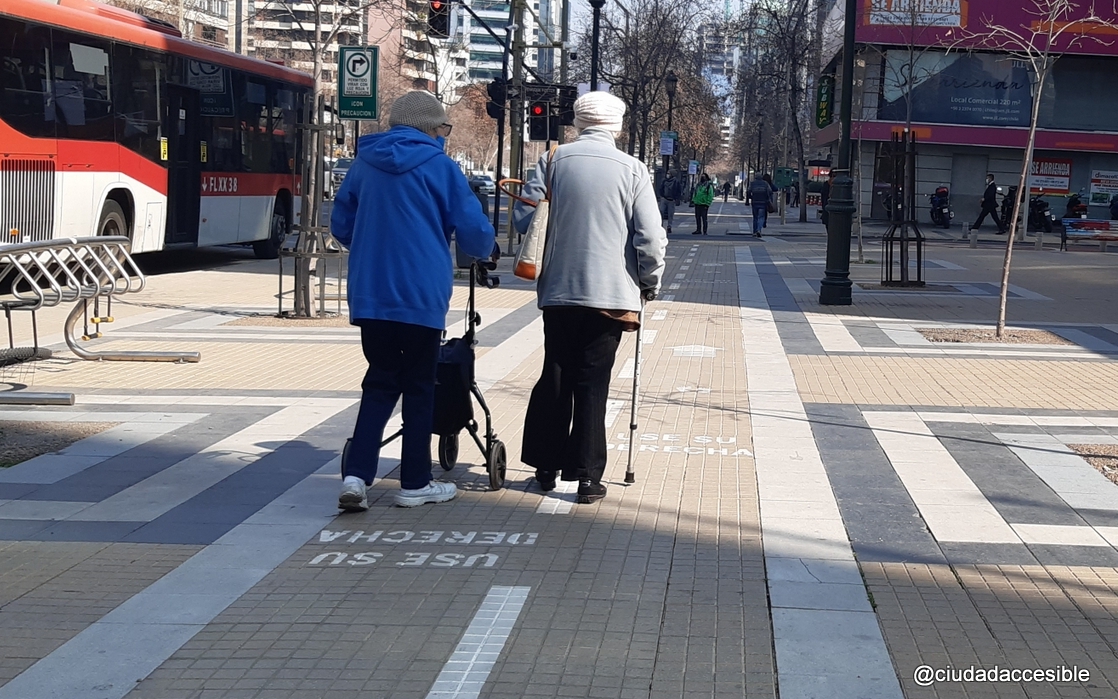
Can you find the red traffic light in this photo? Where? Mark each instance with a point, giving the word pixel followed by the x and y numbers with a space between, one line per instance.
pixel 537 110
pixel 436 5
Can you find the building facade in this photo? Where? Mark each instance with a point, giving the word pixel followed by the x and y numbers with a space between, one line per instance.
pixel 970 107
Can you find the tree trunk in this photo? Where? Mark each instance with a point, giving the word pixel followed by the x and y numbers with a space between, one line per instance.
pixel 1022 196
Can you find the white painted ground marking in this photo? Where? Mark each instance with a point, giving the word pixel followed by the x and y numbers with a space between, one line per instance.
pixel 683 267
pixel 205 322
pixel 648 337
pixel 559 501
pixel 106 659
pixel 691 389
pixel 681 276
pixel 626 369
pixel 695 351
pixel 613 410
pixel 673 287
pixel 951 504
pixel 667 298
pixel 832 333
pixel 137 429
pixel 174 485
pixel 827 638
pixel 660 315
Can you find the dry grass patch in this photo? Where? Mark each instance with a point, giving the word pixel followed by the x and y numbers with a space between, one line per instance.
pixel 334 321
pixel 1010 337
pixel 20 441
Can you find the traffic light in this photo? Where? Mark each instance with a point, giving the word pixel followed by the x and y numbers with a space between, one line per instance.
pixel 567 96
pixel 438 18
pixel 539 116
pixel 498 94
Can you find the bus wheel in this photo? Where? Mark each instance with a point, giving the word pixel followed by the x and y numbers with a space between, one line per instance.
pixel 270 249
pixel 112 220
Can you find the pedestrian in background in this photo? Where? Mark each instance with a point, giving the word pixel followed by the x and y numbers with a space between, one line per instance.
pixel 760 196
pixel 395 212
pixel 725 192
pixel 989 205
pixel 702 199
pixel 670 192
pixel 604 253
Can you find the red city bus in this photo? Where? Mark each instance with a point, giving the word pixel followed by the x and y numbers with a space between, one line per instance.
pixel 112 124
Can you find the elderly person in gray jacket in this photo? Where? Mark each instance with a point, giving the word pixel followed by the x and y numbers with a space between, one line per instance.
pixel 604 253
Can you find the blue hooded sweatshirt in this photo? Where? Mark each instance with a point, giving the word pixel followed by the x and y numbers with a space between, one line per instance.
pixel 395 211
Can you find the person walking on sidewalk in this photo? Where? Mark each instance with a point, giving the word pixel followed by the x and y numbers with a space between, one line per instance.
pixel 990 206
pixel 760 196
pixel 671 190
pixel 702 199
pixel 395 212
pixel 604 253
pixel 725 192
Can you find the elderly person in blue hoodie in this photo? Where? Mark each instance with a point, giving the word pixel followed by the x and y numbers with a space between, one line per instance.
pixel 395 211
pixel 604 252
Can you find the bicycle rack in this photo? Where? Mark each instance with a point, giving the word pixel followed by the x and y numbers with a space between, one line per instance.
pixel 71 270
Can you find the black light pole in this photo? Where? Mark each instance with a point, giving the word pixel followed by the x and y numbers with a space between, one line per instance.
pixel 670 83
pixel 760 131
pixel 597 5
pixel 835 287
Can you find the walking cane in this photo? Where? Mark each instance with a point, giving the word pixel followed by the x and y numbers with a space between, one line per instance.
pixel 630 476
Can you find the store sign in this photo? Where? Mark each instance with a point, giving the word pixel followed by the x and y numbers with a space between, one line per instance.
pixel 982 89
pixel 358 68
pixel 1051 175
pixel 916 13
pixel 824 101
pixel 1104 185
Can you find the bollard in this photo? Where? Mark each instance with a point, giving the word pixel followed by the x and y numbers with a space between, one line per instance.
pixel 972 234
pixel 1040 239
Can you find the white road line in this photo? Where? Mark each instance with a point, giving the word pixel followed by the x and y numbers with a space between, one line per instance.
pixel 827 638
pixel 832 333
pixel 951 504
pixel 469 666
pixel 107 658
pixel 174 485
pixel 613 410
pixel 559 501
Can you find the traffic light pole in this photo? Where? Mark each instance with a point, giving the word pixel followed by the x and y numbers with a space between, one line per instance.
pixel 516 103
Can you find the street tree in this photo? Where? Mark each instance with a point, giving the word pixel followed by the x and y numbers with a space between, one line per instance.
pixel 1057 27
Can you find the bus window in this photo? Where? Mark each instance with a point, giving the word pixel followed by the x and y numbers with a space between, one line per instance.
pixel 25 100
pixel 252 110
pixel 83 106
pixel 139 77
pixel 283 131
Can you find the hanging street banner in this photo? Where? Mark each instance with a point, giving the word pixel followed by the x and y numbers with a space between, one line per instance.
pixel 358 67
pixel 667 142
pixel 693 167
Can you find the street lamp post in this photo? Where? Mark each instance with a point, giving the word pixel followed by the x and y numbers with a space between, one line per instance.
pixel 760 131
pixel 670 83
pixel 597 5
pixel 835 287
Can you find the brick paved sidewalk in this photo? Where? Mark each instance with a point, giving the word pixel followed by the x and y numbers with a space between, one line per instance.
pixel 823 502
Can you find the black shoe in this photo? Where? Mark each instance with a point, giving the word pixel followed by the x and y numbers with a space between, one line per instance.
pixel 1000 233
pixel 589 492
pixel 695 233
pixel 756 235
pixel 546 479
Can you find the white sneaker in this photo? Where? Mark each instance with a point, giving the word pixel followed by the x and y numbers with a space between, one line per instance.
pixel 435 491
pixel 354 497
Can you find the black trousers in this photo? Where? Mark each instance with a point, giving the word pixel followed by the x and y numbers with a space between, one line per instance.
pixel 402 360
pixel 564 430
pixel 701 218
pixel 992 211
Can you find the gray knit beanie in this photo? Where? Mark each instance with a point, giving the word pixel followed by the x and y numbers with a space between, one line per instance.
pixel 418 109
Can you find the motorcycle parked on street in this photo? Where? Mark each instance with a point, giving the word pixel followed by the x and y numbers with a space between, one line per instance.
pixel 941 211
pixel 1076 207
pixel 1040 216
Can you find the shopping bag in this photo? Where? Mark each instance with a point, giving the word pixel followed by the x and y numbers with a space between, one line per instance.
pixel 529 259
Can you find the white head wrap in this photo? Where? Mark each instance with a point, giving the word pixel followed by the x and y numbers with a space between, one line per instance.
pixel 599 109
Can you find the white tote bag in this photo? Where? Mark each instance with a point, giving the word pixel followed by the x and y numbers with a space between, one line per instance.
pixel 529 259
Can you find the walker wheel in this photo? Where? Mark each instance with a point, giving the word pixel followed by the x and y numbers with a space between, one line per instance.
pixel 345 454
pixel 496 463
pixel 448 451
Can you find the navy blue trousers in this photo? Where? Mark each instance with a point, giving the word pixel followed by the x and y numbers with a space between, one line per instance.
pixel 402 360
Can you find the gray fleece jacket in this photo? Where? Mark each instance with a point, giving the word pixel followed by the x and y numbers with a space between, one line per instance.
pixel 605 242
